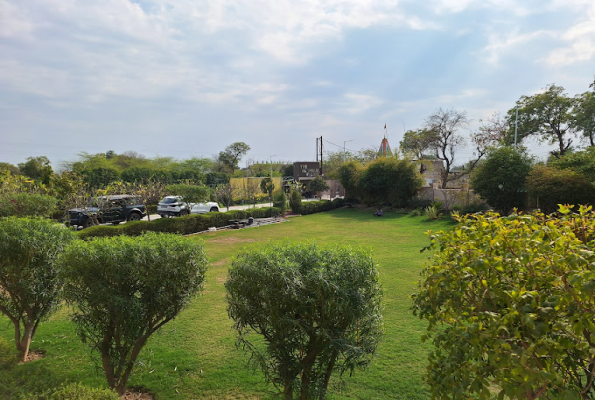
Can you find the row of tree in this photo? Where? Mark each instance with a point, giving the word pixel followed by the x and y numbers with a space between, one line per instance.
pixel 123 289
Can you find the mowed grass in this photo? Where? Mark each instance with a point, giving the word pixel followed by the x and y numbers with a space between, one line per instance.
pixel 195 357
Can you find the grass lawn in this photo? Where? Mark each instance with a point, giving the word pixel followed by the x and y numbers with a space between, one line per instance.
pixel 194 356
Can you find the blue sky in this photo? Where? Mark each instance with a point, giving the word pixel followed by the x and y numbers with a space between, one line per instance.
pixel 186 78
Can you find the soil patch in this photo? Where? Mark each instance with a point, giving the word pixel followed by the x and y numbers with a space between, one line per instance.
pixel 131 394
pixel 35 355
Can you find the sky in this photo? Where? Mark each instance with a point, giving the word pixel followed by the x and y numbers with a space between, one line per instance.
pixel 187 78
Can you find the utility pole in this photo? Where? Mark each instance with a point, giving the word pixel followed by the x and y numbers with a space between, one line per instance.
pixel 344 153
pixel 516 124
pixel 321 156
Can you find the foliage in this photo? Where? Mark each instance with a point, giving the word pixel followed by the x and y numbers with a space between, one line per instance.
pixel 432 212
pixel 125 289
pixel 225 193
pixel 509 305
pixel 29 285
pixel 295 201
pixel 418 143
pixel 267 186
pixel 78 391
pixel 27 204
pixel 217 178
pixel 38 169
pixel 317 185
pixel 317 309
pixel 280 201
pixel 582 162
pixel 349 175
pixel 99 177
pixel 584 114
pixel 546 116
pixel 500 179
pixel 389 181
pixel 552 186
pixel 233 154
pixel 190 224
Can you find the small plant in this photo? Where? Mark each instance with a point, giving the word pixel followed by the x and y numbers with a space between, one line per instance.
pixel 432 212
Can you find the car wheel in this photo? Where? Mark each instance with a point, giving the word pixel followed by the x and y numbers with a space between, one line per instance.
pixel 184 212
pixel 116 223
pixel 87 223
pixel 134 217
pixel 214 209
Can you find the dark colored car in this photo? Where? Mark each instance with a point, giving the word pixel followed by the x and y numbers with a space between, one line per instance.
pixel 108 209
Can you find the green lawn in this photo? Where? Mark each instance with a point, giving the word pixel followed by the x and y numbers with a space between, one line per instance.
pixel 194 357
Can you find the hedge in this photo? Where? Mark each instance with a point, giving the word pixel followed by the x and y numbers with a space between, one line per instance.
pixel 183 225
pixel 202 222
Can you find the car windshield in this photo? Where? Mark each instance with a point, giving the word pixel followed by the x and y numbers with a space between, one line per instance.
pixel 169 200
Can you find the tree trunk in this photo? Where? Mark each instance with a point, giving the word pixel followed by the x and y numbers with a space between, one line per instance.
pixel 23 342
pixel 288 390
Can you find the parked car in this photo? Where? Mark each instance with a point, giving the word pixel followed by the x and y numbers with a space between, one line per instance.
pixel 108 209
pixel 202 208
pixel 172 206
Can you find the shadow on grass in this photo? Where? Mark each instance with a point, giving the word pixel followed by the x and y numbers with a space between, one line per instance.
pixel 30 380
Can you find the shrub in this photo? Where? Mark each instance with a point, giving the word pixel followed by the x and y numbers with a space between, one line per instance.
pixel 29 283
pixel 27 204
pixel 295 201
pixel 509 301
pixel 552 186
pixel 317 308
pixel 124 289
pixel 500 179
pixel 432 213
pixel 280 201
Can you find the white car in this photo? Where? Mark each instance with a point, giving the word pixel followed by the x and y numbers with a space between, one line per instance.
pixel 173 206
pixel 202 208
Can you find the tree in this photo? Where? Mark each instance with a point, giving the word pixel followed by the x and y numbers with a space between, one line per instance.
pixel 267 186
pixel 509 306
pixel 443 127
pixel 124 289
pixel 38 169
pixel 389 181
pixel 583 118
pixel 295 201
pixel 418 143
pixel 29 283
pixel 546 116
pixel 225 193
pixel 500 179
pixel 349 175
pixel 8 168
pixel 232 154
pixel 317 309
pixel 317 185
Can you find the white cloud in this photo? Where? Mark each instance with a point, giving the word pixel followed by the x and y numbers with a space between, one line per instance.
pixel 499 44
pixel 580 39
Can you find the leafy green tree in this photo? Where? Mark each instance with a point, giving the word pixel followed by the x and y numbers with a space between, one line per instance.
pixel 317 309
pixel 29 283
pixel 509 305
pixel 232 155
pixel 99 177
pixel 38 169
pixel 419 143
pixel 349 174
pixel 582 162
pixel 217 178
pixel 225 194
pixel 583 118
pixel 317 185
pixel 500 179
pixel 547 116
pixel 124 289
pixel 551 186
pixel 389 181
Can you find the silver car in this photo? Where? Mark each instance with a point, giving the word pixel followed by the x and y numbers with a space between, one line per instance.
pixel 173 206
